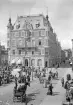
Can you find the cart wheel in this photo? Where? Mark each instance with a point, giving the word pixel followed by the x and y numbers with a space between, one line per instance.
pixel 24 97
pixel 21 98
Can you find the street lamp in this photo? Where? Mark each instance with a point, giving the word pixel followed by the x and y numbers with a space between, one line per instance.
pixel 72 54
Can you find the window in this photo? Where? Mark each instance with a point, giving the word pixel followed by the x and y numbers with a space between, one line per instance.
pixel 25 52
pixel 39 52
pixel 33 62
pixel 23 34
pixel 17 34
pixel 18 26
pixel 42 32
pixel 39 33
pixel 13 43
pixel 37 25
pixel 32 52
pixel 32 34
pixel 39 42
pixel 13 34
pixel 26 33
pixel 13 52
pixel 20 42
pixel 39 62
pixel 33 42
pixel 19 51
pixel 46 42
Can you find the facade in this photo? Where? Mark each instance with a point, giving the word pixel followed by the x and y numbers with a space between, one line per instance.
pixel 32 40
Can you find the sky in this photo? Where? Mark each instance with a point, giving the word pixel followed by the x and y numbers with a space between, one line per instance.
pixel 60 14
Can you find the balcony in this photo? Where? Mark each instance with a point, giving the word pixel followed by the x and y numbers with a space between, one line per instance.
pixel 29 46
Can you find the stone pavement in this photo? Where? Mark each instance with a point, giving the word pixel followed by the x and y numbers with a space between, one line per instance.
pixel 58 93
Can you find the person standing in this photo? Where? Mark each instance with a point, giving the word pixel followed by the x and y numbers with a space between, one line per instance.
pixel 50 89
pixel 15 81
pixel 62 81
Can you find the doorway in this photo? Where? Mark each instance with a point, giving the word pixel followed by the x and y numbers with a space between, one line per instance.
pixel 46 64
pixel 26 62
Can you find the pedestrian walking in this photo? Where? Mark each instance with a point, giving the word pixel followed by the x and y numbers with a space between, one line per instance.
pixel 15 82
pixel 62 81
pixel 50 89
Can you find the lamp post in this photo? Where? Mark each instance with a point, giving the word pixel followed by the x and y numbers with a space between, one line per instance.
pixel 72 54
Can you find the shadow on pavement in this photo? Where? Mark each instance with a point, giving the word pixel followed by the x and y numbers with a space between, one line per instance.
pixel 31 96
pixel 56 79
pixel 56 93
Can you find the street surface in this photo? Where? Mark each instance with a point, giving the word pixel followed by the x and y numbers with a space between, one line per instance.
pixel 36 93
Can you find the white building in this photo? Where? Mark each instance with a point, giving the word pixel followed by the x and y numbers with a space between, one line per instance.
pixel 32 40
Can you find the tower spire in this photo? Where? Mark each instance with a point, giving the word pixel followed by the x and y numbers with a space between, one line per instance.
pixel 47 13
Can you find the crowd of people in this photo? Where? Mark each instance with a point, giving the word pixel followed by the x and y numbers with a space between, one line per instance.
pixel 5 75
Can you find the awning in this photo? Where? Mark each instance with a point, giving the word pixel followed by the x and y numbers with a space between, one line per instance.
pixel 19 61
pixel 15 72
pixel 13 61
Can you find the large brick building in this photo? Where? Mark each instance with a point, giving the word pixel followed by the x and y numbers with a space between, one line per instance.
pixel 32 40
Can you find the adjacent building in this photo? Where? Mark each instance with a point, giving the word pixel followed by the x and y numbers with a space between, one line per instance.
pixel 32 40
pixel 3 55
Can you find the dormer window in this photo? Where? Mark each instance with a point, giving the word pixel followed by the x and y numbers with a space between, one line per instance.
pixel 18 26
pixel 37 25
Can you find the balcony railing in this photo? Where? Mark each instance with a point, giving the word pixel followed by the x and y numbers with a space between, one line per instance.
pixel 26 47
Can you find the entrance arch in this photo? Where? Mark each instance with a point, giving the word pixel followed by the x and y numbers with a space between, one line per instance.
pixel 46 64
pixel 26 62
